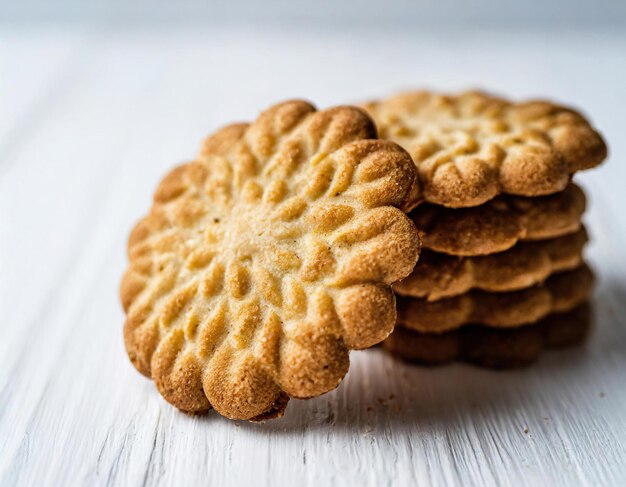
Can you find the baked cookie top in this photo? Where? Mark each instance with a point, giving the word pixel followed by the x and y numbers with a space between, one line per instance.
pixel 472 146
pixel 266 259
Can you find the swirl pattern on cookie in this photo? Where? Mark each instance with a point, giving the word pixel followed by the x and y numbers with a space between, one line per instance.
pixel 471 147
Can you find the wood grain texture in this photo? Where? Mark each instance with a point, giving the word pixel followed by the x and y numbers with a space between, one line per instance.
pixel 90 121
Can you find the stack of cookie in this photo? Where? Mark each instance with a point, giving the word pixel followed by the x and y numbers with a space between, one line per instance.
pixel 272 254
pixel 501 227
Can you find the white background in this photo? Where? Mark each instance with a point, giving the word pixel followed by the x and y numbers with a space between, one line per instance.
pixel 98 99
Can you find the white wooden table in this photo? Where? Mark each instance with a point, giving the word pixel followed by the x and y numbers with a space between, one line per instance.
pixel 89 121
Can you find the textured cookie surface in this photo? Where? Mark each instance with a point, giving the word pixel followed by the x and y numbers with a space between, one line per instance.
pixel 491 347
pixel 471 147
pixel 561 292
pixel 265 260
pixel 438 276
pixel 499 224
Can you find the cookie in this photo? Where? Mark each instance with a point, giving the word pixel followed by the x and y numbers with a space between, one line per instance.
pixel 499 224
pixel 269 257
pixel 491 347
pixel 438 276
pixel 471 147
pixel 560 292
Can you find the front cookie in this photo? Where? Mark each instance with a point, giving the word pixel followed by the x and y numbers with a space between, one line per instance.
pixel 265 260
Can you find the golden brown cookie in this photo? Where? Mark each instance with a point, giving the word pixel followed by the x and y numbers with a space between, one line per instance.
pixel 560 292
pixel 264 261
pixel 499 224
pixel 491 347
pixel 438 276
pixel 472 146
